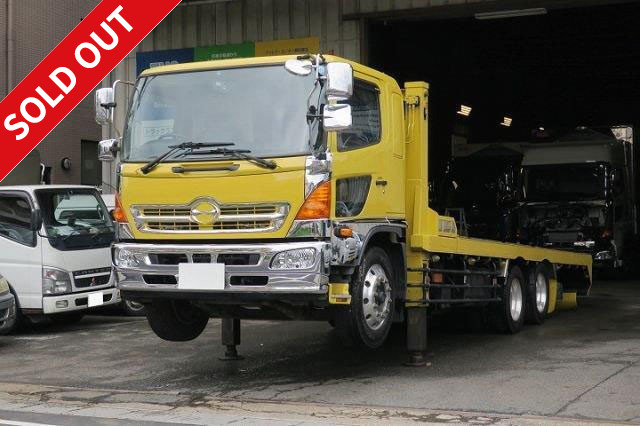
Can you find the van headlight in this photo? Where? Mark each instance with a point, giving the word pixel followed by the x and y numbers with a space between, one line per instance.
pixel 55 281
pixel 294 259
pixel 126 258
pixel 4 285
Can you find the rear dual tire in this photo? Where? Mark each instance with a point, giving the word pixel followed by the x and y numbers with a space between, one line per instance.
pixel 509 314
pixel 538 296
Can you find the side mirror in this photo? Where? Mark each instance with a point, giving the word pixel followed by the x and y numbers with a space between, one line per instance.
pixel 107 150
pixel 36 220
pixel 337 117
pixel 339 81
pixel 104 103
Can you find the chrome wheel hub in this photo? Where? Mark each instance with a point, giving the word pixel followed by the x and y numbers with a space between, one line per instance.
pixel 515 302
pixel 541 293
pixel 376 297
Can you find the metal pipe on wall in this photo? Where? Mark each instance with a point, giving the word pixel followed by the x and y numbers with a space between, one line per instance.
pixel 11 41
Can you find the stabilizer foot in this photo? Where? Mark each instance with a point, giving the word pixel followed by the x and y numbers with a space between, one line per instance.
pixel 231 354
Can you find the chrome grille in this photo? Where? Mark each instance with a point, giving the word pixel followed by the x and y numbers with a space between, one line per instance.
pixel 218 218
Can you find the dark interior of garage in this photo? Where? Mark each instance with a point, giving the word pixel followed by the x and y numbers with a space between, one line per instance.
pixel 558 70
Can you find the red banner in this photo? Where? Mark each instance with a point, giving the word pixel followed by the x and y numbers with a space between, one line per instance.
pixel 71 71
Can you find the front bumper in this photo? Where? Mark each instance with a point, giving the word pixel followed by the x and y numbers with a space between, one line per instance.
pixel 78 301
pixel 7 312
pixel 156 275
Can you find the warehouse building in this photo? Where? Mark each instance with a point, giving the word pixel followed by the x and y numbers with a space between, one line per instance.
pixel 515 65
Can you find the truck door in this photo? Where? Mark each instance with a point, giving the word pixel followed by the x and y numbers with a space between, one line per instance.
pixel 368 167
pixel 20 248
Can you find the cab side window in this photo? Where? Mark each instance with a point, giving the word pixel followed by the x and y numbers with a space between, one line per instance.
pixel 365 106
pixel 15 220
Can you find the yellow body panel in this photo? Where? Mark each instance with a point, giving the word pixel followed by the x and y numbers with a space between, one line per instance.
pixel 553 295
pixel 248 184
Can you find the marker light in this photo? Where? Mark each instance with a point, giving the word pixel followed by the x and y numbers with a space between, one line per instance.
pixel 118 212
pixel 317 204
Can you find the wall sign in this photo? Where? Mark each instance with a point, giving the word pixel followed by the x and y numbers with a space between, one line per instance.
pixel 145 60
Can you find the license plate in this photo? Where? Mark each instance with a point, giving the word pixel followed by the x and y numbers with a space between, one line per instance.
pixel 201 276
pixel 95 299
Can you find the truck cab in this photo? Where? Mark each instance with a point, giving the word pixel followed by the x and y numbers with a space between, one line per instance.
pixel 585 204
pixel 55 250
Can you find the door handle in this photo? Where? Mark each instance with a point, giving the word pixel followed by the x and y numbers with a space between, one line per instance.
pixel 381 182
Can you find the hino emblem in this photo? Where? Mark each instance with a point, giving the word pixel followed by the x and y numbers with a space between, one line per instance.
pixel 204 212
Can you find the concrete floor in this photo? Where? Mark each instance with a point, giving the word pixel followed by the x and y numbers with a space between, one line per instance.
pixel 582 364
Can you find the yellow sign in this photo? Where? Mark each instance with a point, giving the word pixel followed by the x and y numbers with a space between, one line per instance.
pixel 296 46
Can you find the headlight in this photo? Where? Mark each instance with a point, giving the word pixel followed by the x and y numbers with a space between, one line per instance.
pixel 55 281
pixel 123 232
pixel 125 258
pixel 603 255
pixel 294 259
pixel 4 285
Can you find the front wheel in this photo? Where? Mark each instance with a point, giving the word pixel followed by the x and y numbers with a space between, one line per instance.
pixel 133 309
pixel 367 321
pixel 176 320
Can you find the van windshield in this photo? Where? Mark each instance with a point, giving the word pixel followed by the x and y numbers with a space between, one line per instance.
pixel 261 109
pixel 75 219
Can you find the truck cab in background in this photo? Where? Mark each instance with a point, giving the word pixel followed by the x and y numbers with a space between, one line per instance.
pixel 578 194
pixel 55 257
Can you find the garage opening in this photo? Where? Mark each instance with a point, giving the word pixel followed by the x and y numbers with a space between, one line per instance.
pixel 544 75
pixel 553 71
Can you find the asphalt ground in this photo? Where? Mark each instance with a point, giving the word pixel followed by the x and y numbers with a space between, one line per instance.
pixel 582 364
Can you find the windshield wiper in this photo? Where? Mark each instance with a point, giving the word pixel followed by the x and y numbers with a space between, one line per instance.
pixel 243 154
pixel 176 148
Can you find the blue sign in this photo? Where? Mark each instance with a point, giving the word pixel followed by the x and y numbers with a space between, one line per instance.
pixel 145 60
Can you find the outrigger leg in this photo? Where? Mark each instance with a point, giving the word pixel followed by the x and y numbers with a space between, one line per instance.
pixel 416 336
pixel 230 339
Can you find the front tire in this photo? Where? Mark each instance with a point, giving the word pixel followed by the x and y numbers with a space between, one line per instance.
pixel 175 320
pixel 509 314
pixel 133 309
pixel 367 321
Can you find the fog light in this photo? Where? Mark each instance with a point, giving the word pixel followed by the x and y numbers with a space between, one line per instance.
pixel 294 259
pixel 62 304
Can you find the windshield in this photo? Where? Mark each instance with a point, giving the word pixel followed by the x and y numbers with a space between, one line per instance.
pixel 75 218
pixel 262 109
pixel 565 182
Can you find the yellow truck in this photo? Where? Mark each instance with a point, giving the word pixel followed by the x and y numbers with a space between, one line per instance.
pixel 297 188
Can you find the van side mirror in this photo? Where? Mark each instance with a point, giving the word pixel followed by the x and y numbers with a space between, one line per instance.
pixel 337 117
pixel 36 220
pixel 107 150
pixel 104 104
pixel 339 85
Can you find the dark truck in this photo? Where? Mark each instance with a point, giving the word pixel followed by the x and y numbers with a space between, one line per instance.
pixel 578 194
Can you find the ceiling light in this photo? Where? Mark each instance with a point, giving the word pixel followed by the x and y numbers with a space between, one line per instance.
pixel 506 121
pixel 511 13
pixel 464 110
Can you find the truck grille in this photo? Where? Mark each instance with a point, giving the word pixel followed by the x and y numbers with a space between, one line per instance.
pixel 205 215
pixel 92 277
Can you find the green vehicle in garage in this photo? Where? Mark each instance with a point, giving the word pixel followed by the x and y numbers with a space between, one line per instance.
pixel 7 307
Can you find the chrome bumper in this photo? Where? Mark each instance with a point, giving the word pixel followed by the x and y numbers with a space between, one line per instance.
pixel 149 276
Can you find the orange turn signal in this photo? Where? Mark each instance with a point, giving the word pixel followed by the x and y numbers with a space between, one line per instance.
pixel 344 232
pixel 317 205
pixel 118 212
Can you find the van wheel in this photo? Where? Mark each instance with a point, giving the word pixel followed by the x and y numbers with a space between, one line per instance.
pixel 176 320
pixel 509 314
pixel 367 321
pixel 538 296
pixel 133 309
pixel 67 318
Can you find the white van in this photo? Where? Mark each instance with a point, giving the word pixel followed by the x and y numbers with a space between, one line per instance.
pixel 55 250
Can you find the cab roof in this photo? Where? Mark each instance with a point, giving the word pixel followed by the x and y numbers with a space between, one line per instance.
pixel 255 61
